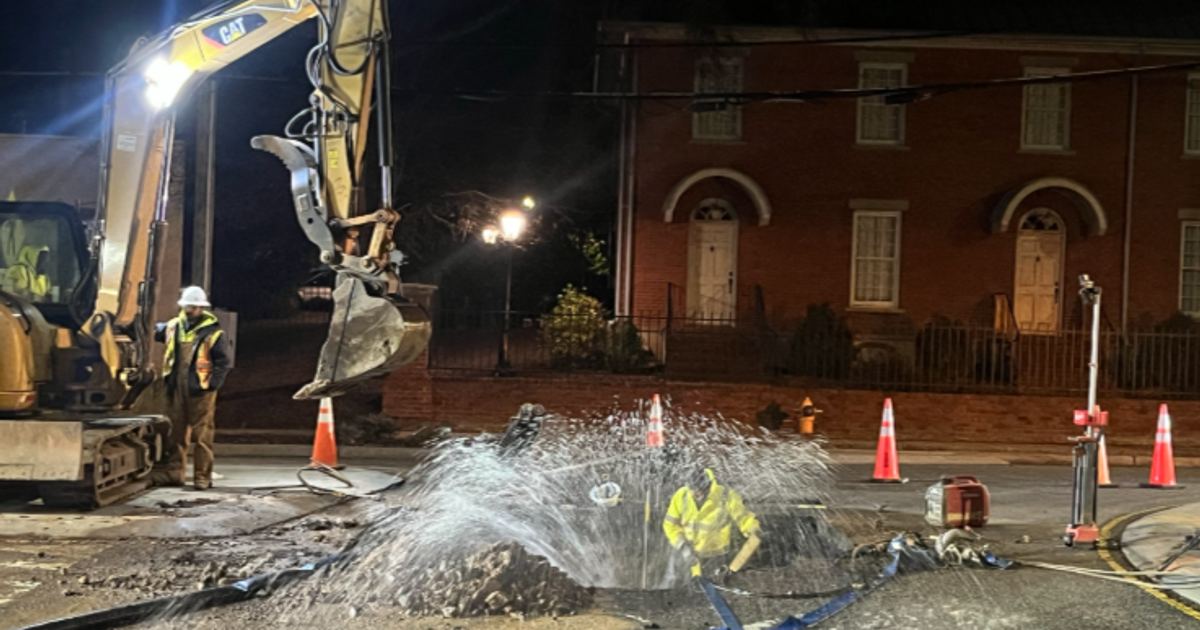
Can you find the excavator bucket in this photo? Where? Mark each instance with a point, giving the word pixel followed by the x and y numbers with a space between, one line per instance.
pixel 369 336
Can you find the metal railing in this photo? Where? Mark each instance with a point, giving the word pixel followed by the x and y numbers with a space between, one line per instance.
pixel 938 357
pixel 539 342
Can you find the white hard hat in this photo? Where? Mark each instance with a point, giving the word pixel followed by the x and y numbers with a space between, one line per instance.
pixel 194 296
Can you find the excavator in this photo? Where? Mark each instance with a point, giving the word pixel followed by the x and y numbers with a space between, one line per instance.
pixel 77 304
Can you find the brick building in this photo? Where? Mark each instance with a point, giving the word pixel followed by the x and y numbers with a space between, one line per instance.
pixel 982 205
pixel 944 221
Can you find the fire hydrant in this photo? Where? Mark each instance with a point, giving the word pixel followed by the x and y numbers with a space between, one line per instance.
pixel 808 417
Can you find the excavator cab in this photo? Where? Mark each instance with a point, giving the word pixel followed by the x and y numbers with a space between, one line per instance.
pixel 43 254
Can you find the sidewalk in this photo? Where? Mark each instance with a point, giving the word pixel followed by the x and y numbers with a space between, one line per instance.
pixel 1149 541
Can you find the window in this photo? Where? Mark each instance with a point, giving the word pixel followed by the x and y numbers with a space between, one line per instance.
pixel 1046 115
pixel 1192 133
pixel 39 260
pixel 1189 269
pixel 878 122
pixel 719 120
pixel 875 277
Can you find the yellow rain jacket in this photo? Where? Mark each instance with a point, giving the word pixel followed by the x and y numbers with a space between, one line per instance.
pixel 23 277
pixel 707 528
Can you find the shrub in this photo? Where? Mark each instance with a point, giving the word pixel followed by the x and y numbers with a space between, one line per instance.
pixel 575 330
pixel 1164 358
pixel 624 352
pixel 822 346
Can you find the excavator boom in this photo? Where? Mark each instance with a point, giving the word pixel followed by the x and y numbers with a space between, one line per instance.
pixel 324 149
pixel 77 312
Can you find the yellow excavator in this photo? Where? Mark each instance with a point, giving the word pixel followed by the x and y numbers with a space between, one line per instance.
pixel 77 305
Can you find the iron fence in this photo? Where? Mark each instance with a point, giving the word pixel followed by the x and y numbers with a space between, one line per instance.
pixel 471 341
pixel 938 357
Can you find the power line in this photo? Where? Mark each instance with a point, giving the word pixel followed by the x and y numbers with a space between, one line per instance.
pixel 688 44
pixel 899 94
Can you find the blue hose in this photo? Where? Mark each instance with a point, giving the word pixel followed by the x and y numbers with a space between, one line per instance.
pixel 187 603
pixel 831 608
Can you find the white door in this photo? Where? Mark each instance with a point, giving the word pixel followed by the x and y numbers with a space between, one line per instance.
pixel 712 273
pixel 1038 290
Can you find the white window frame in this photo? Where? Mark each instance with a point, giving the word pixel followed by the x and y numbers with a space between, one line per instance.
pixel 1191 122
pixel 1033 71
pixel 736 61
pixel 865 103
pixel 1183 230
pixel 894 303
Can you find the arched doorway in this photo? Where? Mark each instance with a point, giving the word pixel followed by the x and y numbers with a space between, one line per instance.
pixel 712 261
pixel 1037 290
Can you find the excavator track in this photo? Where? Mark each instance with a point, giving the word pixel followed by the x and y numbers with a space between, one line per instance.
pixel 110 459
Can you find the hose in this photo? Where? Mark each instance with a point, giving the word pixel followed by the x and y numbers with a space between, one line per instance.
pixel 178 605
pixel 328 471
pixel 187 603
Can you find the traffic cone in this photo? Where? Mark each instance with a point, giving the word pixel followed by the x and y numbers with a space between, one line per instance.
pixel 887 467
pixel 654 428
pixel 1162 467
pixel 324 444
pixel 1103 479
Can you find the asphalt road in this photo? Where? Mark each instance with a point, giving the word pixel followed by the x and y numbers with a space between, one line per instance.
pixel 1026 501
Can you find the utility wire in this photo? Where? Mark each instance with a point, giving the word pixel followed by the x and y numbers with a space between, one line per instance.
pixel 899 94
pixel 870 39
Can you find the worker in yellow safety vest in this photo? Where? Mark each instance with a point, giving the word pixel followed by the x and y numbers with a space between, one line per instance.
pixel 194 368
pixel 27 278
pixel 700 522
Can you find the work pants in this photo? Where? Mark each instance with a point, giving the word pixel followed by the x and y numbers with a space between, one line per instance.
pixel 192 424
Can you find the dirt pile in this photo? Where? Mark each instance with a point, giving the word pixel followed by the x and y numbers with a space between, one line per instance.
pixel 502 580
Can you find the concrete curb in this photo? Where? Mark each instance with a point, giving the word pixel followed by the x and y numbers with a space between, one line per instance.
pixel 1148 539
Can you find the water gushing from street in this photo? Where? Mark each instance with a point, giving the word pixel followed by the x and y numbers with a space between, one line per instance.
pixel 548 498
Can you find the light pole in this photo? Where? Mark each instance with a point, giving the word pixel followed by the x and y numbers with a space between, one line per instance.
pixel 512 224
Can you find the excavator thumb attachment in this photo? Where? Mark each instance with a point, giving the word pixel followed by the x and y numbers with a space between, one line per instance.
pixel 369 336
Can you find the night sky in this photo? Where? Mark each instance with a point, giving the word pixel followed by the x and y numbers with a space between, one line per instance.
pixel 560 152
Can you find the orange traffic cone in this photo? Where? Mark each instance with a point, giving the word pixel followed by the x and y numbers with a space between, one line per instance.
pixel 325 445
pixel 654 428
pixel 1103 479
pixel 887 467
pixel 1162 467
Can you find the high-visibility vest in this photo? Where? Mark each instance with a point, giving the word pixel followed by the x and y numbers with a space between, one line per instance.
pixel 202 361
pixel 708 527
pixel 26 280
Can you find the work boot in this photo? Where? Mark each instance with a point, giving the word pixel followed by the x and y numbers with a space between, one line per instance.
pixel 166 478
pixel 202 484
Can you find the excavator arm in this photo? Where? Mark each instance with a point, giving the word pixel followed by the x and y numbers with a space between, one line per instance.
pixel 374 329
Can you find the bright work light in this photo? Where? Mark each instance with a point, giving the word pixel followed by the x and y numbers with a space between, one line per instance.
pixel 164 80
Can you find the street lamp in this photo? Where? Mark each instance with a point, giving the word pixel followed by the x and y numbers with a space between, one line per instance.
pixel 512 224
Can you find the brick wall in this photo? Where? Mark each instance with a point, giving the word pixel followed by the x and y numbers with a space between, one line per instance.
pixel 850 419
pixel 962 155
pixel 408 395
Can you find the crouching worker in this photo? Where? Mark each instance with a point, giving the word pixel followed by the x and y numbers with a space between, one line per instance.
pixel 700 522
pixel 194 367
